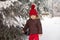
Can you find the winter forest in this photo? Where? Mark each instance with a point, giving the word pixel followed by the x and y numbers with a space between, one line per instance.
pixel 14 13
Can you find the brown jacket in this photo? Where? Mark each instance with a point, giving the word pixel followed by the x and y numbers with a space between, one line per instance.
pixel 34 26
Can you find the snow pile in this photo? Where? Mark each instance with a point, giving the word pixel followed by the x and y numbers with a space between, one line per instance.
pixel 51 28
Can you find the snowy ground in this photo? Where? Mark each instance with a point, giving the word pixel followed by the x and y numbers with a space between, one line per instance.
pixel 51 28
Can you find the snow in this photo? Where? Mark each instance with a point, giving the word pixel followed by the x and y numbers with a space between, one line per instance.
pixel 13 0
pixel 51 28
pixel 20 21
pixel 5 4
pixel 32 0
pixel 54 7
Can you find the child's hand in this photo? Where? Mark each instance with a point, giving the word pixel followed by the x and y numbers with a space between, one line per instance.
pixel 22 31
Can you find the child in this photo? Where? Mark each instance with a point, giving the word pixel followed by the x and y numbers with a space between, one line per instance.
pixel 33 24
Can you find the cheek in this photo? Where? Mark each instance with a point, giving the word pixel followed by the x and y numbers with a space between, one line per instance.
pixel 33 17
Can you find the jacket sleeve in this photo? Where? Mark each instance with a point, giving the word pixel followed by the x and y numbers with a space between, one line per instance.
pixel 39 27
pixel 26 26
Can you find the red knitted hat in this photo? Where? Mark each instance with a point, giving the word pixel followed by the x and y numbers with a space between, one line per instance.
pixel 33 11
pixel 32 6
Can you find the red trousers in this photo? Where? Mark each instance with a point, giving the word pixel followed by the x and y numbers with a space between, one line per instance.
pixel 34 37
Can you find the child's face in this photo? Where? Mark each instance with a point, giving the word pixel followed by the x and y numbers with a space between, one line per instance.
pixel 33 16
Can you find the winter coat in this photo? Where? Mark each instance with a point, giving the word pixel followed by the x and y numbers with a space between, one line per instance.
pixel 34 26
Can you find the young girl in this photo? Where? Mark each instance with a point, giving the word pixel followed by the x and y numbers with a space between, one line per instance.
pixel 33 24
